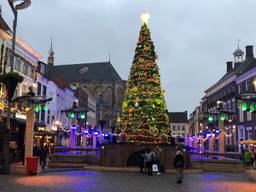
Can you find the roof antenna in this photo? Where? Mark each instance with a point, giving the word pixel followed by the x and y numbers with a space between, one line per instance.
pixel 238 41
pixel 109 57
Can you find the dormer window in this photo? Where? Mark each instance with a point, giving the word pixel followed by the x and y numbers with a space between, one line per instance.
pixel 83 70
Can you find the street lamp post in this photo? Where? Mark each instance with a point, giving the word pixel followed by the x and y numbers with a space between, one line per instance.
pixel 15 6
pixel 76 113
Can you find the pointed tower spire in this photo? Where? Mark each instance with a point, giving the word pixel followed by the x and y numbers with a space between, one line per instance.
pixel 238 53
pixel 51 55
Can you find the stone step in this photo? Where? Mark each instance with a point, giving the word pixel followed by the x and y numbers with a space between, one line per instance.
pixel 252 174
pixel 72 159
pixel 66 165
pixel 219 166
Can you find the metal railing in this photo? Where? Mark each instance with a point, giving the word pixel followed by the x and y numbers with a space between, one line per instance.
pixel 216 156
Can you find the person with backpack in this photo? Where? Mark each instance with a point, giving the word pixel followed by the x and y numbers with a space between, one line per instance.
pixel 179 164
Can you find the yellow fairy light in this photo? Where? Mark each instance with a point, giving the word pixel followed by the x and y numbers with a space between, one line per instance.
pixel 27 109
pixel 144 17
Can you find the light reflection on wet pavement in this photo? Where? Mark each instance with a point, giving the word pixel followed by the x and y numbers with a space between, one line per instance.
pixel 83 181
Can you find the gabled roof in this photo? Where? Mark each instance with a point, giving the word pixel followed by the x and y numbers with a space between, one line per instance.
pixel 241 68
pixel 84 72
pixel 60 82
pixel 178 117
pixel 246 66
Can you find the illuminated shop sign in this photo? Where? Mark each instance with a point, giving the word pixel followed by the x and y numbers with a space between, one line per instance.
pixel 20 116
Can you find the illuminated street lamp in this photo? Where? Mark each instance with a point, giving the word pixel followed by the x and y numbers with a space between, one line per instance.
pixel 57 127
pixel 76 114
pixel 15 6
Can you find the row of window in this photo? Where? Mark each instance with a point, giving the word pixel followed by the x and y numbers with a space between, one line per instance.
pixel 41 89
pixel 23 67
pixel 229 105
pixel 41 116
pixel 242 115
pixel 251 134
pixel 178 128
pixel 227 90
pixel 107 95
pixel 178 134
pixel 246 86
pixel 64 102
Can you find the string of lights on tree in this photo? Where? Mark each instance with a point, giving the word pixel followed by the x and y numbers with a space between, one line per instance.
pixel 144 117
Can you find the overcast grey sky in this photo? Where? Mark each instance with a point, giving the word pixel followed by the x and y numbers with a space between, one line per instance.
pixel 193 38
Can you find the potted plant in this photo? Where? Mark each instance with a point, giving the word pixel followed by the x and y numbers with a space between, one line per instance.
pixel 11 80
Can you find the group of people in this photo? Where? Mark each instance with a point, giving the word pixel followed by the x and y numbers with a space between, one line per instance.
pixel 249 158
pixel 150 161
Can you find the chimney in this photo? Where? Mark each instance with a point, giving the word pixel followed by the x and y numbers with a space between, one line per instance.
pixel 249 52
pixel 229 66
pixel 236 65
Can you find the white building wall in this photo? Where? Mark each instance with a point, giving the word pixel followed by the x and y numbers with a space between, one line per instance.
pixel 61 99
pixel 26 60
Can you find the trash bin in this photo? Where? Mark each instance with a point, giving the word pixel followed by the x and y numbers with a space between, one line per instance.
pixel 32 164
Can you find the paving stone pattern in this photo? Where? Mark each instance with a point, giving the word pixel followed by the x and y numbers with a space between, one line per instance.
pixel 94 181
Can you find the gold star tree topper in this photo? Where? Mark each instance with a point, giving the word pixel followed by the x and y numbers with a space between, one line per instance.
pixel 145 17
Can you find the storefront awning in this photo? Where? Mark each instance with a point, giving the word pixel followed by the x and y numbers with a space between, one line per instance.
pixel 248 142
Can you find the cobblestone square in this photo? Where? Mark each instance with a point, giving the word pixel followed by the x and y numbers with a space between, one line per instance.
pixel 93 181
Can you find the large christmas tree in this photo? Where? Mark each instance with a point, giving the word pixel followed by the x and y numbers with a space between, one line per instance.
pixel 144 117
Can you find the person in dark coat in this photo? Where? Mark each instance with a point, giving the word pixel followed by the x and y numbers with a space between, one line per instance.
pixel 141 160
pixel 179 164
pixel 43 156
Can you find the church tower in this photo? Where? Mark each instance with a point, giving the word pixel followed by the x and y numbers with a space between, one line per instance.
pixel 51 56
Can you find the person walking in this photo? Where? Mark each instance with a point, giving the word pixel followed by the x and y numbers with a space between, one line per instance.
pixel 247 158
pixel 43 156
pixel 179 164
pixel 254 158
pixel 141 160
